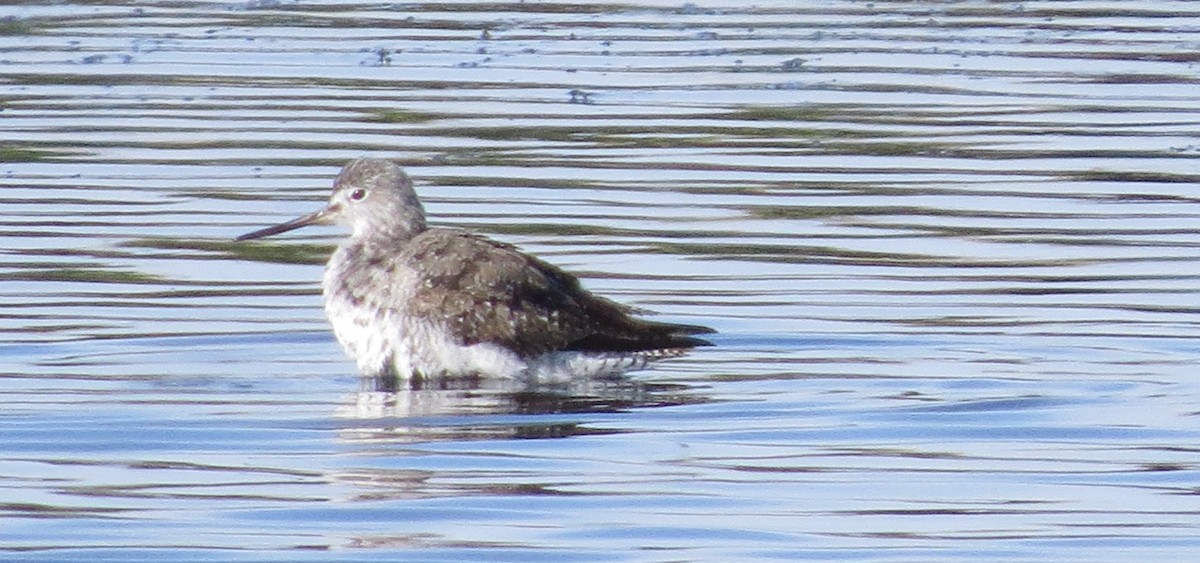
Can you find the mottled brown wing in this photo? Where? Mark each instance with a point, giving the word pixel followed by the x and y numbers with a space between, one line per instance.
pixel 486 291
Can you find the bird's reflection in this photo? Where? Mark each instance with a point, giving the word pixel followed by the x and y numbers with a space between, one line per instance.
pixel 387 411
pixel 389 429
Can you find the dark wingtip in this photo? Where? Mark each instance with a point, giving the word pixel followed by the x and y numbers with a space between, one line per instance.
pixel 676 338
pixel 681 334
pixel 676 343
pixel 672 335
pixel 694 329
pixel 676 330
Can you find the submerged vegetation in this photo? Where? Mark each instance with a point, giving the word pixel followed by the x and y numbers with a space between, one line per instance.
pixel 76 274
pixel 12 25
pixel 257 251
pixel 14 153
pixel 400 116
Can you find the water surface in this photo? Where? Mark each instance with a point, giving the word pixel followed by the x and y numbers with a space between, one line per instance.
pixel 951 250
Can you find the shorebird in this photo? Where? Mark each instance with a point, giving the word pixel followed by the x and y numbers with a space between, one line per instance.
pixel 414 301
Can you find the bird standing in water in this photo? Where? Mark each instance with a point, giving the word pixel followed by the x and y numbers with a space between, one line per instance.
pixel 414 301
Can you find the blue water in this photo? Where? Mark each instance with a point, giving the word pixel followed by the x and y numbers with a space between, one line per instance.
pixel 950 250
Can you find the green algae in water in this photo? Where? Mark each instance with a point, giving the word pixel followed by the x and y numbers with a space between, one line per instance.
pixel 400 116
pixel 88 275
pixel 778 113
pixel 11 153
pixel 15 26
pixel 281 253
pixel 244 250
pixel 1129 176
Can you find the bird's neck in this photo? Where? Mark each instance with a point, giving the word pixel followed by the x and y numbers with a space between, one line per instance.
pixel 395 233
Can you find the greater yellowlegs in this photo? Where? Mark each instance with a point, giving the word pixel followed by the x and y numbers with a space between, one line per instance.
pixel 415 301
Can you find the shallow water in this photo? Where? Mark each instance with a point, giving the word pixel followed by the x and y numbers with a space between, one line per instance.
pixel 951 250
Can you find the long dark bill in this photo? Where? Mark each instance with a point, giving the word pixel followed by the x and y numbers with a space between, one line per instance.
pixel 292 225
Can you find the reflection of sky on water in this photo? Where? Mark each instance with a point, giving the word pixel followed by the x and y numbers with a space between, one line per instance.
pixel 950 249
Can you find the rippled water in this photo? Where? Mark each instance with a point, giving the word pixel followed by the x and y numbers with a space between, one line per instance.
pixel 951 248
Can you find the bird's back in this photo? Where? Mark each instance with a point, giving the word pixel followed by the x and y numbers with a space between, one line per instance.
pixel 492 292
pixel 476 291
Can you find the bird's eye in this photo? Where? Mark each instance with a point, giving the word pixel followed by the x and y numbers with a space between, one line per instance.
pixel 358 195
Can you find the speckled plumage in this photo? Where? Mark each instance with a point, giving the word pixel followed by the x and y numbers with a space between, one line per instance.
pixel 413 301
